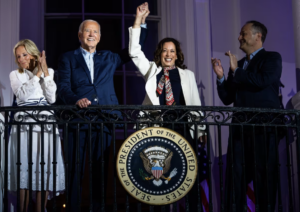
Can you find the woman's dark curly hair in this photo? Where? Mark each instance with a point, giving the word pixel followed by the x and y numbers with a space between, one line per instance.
pixel 159 49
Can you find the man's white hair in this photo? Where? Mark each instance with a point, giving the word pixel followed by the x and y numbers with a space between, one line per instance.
pixel 82 24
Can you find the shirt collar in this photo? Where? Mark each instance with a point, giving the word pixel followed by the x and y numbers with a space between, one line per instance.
pixel 254 53
pixel 85 52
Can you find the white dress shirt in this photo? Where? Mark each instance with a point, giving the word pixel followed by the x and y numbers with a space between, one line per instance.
pixel 89 60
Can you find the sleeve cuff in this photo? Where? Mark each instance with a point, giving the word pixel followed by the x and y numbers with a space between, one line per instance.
pixel 235 71
pixel 144 25
pixel 48 78
pixel 36 79
pixel 221 80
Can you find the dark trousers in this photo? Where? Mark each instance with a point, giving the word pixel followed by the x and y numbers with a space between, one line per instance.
pixel 74 178
pixel 264 173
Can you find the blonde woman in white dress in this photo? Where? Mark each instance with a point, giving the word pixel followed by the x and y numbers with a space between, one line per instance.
pixel 33 85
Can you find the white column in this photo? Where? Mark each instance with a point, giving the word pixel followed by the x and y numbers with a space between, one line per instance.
pixel 32 22
pixel 189 22
pixel 9 36
pixel 177 21
pixel 9 29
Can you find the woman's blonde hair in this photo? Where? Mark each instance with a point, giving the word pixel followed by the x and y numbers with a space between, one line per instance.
pixel 30 47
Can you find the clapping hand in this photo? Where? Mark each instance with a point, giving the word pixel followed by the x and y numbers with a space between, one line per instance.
pixel 233 61
pixel 217 66
pixel 42 65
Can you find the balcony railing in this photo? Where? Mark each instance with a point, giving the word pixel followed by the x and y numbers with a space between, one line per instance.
pixel 224 125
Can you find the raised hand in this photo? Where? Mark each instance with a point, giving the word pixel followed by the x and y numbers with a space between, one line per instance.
pixel 146 14
pixel 140 12
pixel 42 66
pixel 217 66
pixel 232 60
pixel 40 71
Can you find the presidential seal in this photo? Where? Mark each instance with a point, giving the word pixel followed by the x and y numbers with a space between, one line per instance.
pixel 157 166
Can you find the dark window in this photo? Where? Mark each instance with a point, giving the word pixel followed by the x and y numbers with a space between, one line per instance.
pixel 130 6
pixel 96 6
pixel 63 6
pixel 119 83
pixel 61 35
pixel 151 42
pixel 111 33
pixel 135 90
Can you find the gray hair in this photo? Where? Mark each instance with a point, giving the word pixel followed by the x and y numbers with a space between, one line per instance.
pixel 82 24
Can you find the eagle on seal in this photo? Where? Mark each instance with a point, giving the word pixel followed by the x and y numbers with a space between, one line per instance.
pixel 157 163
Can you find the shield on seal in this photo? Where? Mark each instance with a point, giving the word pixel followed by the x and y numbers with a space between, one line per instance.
pixel 157 171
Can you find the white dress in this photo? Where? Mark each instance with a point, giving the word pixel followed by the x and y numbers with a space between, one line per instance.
pixel 31 90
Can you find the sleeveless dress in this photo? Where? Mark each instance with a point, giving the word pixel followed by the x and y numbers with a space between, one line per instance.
pixel 33 91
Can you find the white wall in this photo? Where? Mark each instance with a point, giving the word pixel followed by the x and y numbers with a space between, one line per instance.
pixel 9 28
pixel 32 26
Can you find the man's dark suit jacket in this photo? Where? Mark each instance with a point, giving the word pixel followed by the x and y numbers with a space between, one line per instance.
pixel 74 79
pixel 74 83
pixel 257 86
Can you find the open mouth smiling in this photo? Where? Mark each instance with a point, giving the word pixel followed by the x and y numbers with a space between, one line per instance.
pixel 168 59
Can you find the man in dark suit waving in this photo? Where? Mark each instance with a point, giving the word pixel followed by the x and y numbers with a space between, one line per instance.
pixel 252 82
pixel 85 77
